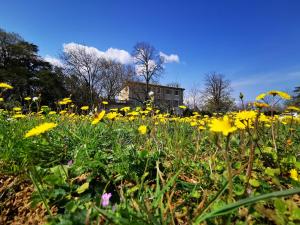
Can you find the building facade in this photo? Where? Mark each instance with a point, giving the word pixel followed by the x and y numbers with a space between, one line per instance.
pixel 134 93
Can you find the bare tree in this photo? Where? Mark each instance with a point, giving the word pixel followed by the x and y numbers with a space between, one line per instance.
pixel 114 76
pixel 216 94
pixel 193 97
pixel 86 66
pixel 148 62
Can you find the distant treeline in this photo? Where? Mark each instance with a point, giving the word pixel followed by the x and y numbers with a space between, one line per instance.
pixel 31 75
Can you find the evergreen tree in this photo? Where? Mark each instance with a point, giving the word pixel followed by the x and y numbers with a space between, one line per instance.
pixel 23 68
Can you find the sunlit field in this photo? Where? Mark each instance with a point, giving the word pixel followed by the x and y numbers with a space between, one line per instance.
pixel 83 165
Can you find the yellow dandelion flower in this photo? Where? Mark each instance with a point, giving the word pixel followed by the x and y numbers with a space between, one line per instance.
pixel 19 116
pixel 62 103
pixel 71 115
pixel 112 115
pixel 260 105
pixel 5 86
pixel 182 106
pixel 142 129
pixel 84 108
pixel 125 109
pixel 99 117
pixel 52 113
pixel 261 96
pixel 245 119
pixel 284 95
pixel 162 120
pixel 67 100
pixel 294 174
pixel 17 108
pixel 239 124
pixel 222 125
pixel 193 123
pixel 263 118
pixel 293 108
pixel 42 128
pixel 104 102
pixel 201 127
pixel 280 94
pixel 27 98
pixel 1 99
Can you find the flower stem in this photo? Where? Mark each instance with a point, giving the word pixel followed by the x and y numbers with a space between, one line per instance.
pixel 229 170
pixel 39 191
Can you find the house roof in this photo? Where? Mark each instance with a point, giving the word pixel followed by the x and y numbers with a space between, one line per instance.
pixel 155 85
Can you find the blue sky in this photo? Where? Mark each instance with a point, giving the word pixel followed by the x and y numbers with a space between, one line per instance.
pixel 255 44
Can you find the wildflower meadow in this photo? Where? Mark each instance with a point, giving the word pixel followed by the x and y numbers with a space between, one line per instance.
pixel 101 165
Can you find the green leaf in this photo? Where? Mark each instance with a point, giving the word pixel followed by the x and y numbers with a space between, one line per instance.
pixel 132 190
pixel 254 183
pixel 219 168
pixel 58 175
pixel 239 189
pixel 237 165
pixel 272 172
pixel 57 192
pixel 71 206
pixel 218 204
pixel 295 214
pixel 297 165
pixel 276 181
pixel 280 205
pixel 82 188
pixel 195 194
pixel 267 150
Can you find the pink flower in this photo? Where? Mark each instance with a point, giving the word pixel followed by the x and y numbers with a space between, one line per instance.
pixel 70 162
pixel 105 199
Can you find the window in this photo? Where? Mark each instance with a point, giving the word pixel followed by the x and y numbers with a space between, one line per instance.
pixel 158 90
pixel 168 91
pixel 175 103
pixel 176 92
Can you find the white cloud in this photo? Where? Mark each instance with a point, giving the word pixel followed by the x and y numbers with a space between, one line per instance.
pixel 118 55
pixel 172 58
pixel 54 61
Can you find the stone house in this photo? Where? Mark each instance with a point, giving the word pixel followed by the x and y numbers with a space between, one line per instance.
pixel 134 93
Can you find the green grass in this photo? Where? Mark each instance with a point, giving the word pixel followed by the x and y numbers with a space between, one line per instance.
pixel 174 174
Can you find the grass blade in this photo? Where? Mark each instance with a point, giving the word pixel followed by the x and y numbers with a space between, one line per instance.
pixel 229 208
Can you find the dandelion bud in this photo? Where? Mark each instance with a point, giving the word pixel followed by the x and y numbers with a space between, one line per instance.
pixel 241 96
